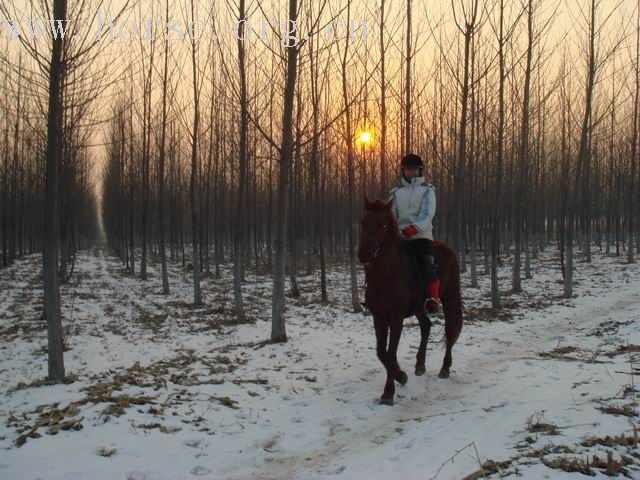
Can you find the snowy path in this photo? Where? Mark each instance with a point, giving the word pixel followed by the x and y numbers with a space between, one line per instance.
pixel 499 382
pixel 223 405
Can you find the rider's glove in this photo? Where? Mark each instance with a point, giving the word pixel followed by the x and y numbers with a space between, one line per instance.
pixel 409 231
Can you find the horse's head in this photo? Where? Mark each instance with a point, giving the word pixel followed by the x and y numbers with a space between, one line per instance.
pixel 378 229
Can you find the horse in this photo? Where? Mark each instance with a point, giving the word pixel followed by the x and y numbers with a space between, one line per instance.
pixel 391 294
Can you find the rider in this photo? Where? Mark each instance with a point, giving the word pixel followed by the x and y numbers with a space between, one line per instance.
pixel 414 205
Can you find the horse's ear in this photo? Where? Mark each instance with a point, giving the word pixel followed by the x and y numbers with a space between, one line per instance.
pixel 367 203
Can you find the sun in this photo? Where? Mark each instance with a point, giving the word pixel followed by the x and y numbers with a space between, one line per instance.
pixel 365 138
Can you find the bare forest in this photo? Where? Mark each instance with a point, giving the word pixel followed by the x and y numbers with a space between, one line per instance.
pixel 239 143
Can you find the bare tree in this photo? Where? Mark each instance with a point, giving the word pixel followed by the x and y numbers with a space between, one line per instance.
pixel 349 141
pixel 195 256
pixel 51 227
pixel 278 330
pixel 161 161
pixel 583 149
pixel 523 156
pixel 383 103
pixel 147 59
pixel 495 223
pixel 239 226
pixel 634 143
pixel 467 25
pixel 408 55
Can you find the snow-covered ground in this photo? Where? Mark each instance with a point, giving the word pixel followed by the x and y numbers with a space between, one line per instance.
pixel 164 390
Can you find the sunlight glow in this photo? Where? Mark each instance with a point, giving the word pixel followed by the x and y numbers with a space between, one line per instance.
pixel 365 138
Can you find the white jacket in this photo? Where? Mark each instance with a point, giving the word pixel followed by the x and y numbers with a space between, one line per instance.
pixel 415 204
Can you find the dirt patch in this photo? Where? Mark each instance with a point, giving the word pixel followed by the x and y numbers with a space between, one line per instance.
pixel 152 321
pixel 571 354
pixel 487 314
pixel 569 464
pixel 68 379
pixel 608 441
pixel 627 410
pixel 53 418
pixel 22 329
pixel 162 428
pixel 154 376
pixel 489 467
pixel 622 349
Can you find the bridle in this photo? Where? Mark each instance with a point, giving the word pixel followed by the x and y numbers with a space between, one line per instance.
pixel 380 245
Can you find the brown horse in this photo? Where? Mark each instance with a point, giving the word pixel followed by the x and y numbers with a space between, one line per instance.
pixel 391 294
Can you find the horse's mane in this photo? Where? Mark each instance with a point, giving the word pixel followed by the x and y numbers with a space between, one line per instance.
pixel 377 205
pixel 380 205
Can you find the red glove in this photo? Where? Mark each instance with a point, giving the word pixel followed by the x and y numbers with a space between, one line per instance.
pixel 409 231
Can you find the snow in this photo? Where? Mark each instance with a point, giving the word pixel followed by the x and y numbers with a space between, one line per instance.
pixel 224 404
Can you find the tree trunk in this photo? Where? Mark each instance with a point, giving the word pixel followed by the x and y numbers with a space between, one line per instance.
pixel 634 145
pixel 278 330
pixel 239 223
pixel 383 106
pixel 407 99
pixel 524 159
pixel 495 234
pixel 197 295
pixel 51 232
pixel 349 137
pixel 161 159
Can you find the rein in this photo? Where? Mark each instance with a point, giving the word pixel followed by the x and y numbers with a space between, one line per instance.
pixel 379 247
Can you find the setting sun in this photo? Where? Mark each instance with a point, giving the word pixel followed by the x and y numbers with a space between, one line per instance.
pixel 365 138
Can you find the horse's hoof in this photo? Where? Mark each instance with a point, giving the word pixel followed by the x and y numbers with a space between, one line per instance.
pixel 386 401
pixel 402 378
pixel 444 374
pixel 420 371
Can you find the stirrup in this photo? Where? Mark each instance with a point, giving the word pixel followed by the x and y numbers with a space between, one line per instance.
pixel 431 305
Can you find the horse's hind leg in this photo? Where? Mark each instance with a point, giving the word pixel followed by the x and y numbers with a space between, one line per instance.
pixel 452 328
pixel 425 330
pixel 446 364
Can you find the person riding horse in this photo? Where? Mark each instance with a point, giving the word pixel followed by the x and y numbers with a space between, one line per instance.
pixel 414 206
pixel 388 228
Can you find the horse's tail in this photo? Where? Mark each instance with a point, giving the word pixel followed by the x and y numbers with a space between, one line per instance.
pixel 451 296
pixel 452 307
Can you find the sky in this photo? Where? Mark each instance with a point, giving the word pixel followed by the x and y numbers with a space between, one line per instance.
pixel 434 30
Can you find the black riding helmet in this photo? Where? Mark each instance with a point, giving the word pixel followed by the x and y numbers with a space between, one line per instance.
pixel 412 160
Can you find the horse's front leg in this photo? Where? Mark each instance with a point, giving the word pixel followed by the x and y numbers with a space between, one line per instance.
pixel 425 330
pixel 394 372
pixel 382 333
pixel 392 354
